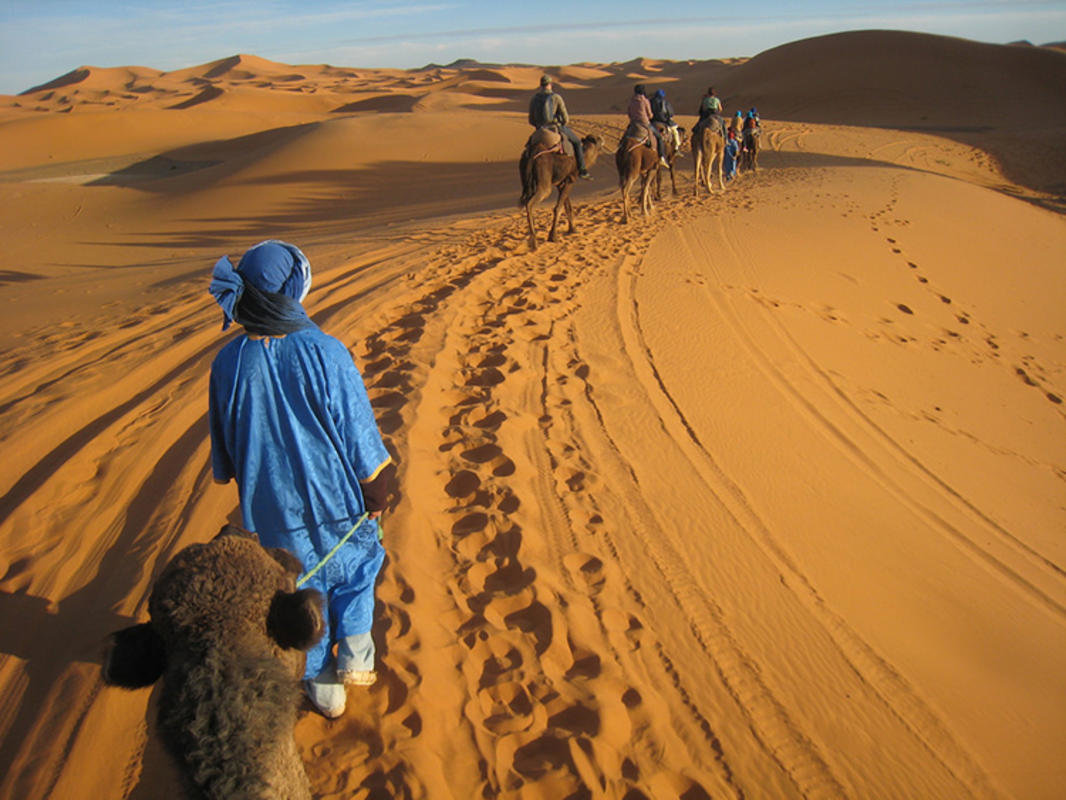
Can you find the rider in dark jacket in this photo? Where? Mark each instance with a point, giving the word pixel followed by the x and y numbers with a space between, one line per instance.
pixel 548 108
pixel 663 112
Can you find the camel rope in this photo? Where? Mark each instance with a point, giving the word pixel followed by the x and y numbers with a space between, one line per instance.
pixel 332 552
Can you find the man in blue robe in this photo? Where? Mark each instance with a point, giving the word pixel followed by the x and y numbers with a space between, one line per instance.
pixel 291 421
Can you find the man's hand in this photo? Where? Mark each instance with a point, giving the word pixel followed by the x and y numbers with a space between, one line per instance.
pixel 379 494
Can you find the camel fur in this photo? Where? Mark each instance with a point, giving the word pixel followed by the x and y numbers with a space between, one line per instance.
pixel 227 636
pixel 541 170
pixel 633 160
pixel 708 147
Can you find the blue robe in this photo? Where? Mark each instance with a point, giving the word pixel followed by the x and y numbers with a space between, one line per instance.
pixel 291 421
pixel 731 159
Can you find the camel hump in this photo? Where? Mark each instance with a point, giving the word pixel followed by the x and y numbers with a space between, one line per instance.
pixel 544 136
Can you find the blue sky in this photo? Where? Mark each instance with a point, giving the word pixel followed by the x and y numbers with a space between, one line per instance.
pixel 42 39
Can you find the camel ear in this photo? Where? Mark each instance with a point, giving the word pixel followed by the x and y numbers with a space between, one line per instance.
pixel 290 563
pixel 135 657
pixel 295 620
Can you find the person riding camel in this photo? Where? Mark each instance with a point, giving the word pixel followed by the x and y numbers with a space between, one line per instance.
pixel 710 104
pixel 662 112
pixel 736 123
pixel 546 108
pixel 640 115
pixel 711 110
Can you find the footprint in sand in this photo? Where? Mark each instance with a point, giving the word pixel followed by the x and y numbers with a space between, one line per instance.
pixel 587 568
pixel 462 484
pixel 492 455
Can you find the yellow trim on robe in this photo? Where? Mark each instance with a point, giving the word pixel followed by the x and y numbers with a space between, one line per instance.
pixel 377 472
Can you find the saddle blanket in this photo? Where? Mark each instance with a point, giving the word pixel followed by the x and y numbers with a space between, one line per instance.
pixel 550 136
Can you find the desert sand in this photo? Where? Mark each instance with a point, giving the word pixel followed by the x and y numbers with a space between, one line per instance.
pixel 763 497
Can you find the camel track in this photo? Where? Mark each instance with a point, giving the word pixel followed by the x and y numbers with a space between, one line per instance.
pixel 481 358
pixel 565 679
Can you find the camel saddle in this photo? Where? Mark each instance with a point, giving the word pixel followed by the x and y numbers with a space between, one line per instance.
pixel 714 120
pixel 638 131
pixel 549 137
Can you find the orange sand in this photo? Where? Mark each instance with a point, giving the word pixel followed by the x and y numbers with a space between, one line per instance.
pixel 762 497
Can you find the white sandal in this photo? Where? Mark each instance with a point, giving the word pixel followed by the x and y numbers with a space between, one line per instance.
pixel 358 677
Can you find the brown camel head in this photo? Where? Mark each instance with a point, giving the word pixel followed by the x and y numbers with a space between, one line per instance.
pixel 592 146
pixel 227 636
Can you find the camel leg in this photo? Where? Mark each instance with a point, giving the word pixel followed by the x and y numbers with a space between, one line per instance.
pixel 543 191
pixel 569 211
pixel 529 219
pixel 555 216
pixel 721 164
pixel 697 156
pixel 673 179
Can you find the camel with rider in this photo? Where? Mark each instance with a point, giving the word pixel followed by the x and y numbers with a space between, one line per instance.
pixel 708 148
pixel 543 166
pixel 673 151
pixel 636 158
pixel 749 154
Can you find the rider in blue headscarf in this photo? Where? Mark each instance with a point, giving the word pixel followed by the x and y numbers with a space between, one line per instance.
pixel 291 421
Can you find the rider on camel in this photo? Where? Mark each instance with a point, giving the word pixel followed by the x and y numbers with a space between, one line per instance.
pixel 711 110
pixel 640 114
pixel 710 104
pixel 546 108
pixel 662 112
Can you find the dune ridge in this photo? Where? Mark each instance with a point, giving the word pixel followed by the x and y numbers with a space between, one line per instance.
pixel 759 497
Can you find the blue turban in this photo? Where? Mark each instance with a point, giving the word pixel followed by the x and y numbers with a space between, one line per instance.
pixel 660 93
pixel 266 289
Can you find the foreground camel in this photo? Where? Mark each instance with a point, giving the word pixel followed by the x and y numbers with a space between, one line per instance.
pixel 227 635
pixel 542 167
pixel 634 159
pixel 708 147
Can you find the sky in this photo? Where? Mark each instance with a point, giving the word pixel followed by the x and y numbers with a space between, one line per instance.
pixel 43 39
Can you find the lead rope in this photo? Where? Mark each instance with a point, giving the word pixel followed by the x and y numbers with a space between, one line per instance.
pixel 333 552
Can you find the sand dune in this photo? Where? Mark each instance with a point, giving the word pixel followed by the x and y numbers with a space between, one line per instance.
pixel 761 497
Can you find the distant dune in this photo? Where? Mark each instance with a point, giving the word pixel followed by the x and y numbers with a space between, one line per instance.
pixel 891 78
pixel 759 496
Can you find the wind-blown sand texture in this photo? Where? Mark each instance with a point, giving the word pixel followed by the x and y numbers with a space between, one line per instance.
pixel 761 498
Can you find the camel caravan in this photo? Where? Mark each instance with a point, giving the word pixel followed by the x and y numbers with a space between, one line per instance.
pixel 555 157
